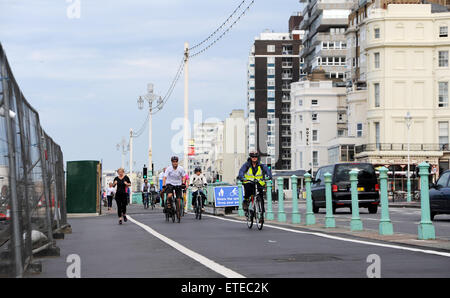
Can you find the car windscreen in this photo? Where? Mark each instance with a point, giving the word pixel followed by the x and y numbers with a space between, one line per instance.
pixel 365 172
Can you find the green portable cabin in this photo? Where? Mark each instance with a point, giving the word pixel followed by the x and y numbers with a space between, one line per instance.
pixel 83 188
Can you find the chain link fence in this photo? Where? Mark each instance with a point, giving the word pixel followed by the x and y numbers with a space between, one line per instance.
pixel 32 198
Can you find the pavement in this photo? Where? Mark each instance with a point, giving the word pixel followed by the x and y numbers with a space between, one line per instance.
pixel 148 246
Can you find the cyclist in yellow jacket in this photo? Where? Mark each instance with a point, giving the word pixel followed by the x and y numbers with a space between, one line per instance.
pixel 253 169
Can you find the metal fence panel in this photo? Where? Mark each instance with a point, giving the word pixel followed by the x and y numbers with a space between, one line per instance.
pixel 32 182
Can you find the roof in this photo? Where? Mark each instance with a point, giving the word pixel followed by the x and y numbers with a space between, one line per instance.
pixel 298 173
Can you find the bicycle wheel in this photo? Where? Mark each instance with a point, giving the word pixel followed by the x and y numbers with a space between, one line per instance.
pixel 196 208
pixel 259 215
pixel 178 210
pixel 250 216
pixel 199 207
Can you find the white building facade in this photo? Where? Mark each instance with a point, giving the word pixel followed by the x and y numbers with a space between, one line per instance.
pixel 318 114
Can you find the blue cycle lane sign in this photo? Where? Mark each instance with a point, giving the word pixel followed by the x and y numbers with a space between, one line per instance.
pixel 226 196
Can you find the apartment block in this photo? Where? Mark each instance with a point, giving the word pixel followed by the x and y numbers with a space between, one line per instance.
pixel 274 64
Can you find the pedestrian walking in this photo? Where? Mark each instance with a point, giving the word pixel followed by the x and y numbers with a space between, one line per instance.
pixel 122 182
pixel 161 177
pixel 110 191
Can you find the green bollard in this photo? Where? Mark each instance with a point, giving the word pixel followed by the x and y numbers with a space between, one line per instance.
pixel 269 213
pixel 330 222
pixel 355 223
pixel 295 215
pixel 310 217
pixel 240 210
pixel 426 228
pixel 189 202
pixel 385 222
pixel 281 214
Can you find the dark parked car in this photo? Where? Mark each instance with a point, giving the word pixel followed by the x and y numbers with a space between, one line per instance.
pixel 440 196
pixel 368 189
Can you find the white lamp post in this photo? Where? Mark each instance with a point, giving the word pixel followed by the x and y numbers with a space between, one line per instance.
pixel 150 97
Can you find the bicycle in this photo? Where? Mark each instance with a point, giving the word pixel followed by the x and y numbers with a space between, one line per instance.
pixel 198 204
pixel 153 201
pixel 170 212
pixel 255 208
pixel 145 200
pixel 178 203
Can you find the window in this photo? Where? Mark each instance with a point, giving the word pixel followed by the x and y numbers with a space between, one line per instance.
pixel 443 133
pixel 314 102
pixel 443 94
pixel 340 132
pixel 271 71
pixel 377 94
pixel 300 102
pixel 300 118
pixel 340 116
pixel 315 134
pixel 315 158
pixel 377 134
pixel 314 116
pixel 359 130
pixel 377 60
pixel 443 179
pixel 270 60
pixel 443 31
pixel 271 48
pixel 376 32
pixel 324 45
pixel 270 82
pixel 443 58
pixel 301 160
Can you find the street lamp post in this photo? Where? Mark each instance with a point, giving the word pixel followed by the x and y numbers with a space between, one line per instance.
pixel 408 183
pixel 150 97
pixel 123 145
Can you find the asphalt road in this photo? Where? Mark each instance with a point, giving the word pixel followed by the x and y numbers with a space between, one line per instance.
pixel 107 249
pixel 404 220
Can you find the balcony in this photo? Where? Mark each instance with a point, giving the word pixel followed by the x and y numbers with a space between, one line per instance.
pixel 286 76
pixel 286 99
pixel 401 147
pixel 286 64
pixel 286 133
pixel 286 144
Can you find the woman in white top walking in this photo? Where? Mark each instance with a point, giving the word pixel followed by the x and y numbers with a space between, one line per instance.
pixel 110 191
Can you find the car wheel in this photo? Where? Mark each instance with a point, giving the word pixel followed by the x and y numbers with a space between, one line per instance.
pixel 373 209
pixel 432 215
pixel 334 209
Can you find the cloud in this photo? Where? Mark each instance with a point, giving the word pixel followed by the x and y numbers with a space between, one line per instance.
pixel 85 75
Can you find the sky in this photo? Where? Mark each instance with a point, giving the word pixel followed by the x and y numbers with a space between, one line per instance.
pixel 83 64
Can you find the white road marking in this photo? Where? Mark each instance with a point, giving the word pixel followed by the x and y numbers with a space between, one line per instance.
pixel 192 254
pixel 433 252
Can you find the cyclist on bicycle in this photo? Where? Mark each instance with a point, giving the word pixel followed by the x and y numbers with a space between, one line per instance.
pixel 253 169
pixel 145 191
pixel 174 178
pixel 198 181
